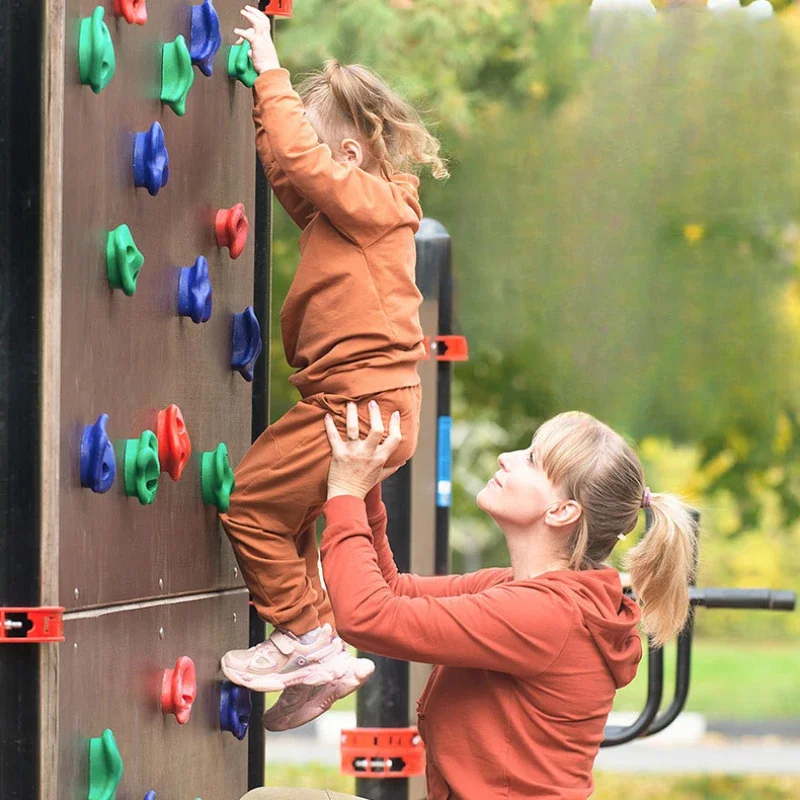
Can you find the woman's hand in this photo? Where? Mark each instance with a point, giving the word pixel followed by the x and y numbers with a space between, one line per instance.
pixel 262 50
pixel 359 464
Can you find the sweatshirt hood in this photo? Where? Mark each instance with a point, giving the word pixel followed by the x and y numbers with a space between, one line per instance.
pixel 610 617
pixel 409 187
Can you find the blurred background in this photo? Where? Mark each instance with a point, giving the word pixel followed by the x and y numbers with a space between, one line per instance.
pixel 625 219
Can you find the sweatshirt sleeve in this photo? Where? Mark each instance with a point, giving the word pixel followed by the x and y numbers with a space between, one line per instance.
pixel 361 206
pixel 410 585
pixel 297 207
pixel 515 628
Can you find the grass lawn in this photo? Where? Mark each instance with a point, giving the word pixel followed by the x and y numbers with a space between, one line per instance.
pixel 743 680
pixel 608 786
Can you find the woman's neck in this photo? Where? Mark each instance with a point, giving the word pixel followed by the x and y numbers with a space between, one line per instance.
pixel 530 557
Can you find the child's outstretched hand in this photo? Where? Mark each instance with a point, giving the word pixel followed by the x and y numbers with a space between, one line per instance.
pixel 262 50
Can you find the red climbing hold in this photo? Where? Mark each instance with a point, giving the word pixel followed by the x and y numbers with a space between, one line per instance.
pixel 134 11
pixel 179 689
pixel 232 227
pixel 278 8
pixel 174 445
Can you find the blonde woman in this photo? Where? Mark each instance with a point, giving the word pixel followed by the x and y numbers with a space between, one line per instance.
pixel 527 658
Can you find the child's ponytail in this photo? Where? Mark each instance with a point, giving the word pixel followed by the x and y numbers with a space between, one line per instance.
pixel 662 566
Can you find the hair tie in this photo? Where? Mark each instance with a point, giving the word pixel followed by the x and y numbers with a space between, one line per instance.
pixel 646 497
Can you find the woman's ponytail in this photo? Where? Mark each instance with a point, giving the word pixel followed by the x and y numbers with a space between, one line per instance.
pixel 662 566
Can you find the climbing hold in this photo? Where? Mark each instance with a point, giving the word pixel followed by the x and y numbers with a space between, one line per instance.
pixel 234 709
pixel 142 468
pixel 216 478
pixel 194 292
pixel 240 66
pixel 98 463
pixel 150 159
pixel 123 259
pixel 246 342
pixel 279 8
pixel 133 11
pixel 174 445
pixel 105 767
pixel 95 52
pixel 179 689
pixel 231 228
pixel 177 75
pixel 206 39
pixel 151 795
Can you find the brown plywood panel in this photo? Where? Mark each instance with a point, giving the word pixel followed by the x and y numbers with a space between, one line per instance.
pixel 110 676
pixel 131 356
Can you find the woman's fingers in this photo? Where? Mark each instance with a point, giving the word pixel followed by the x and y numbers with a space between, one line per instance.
pixel 334 437
pixel 375 425
pixel 351 424
pixel 391 442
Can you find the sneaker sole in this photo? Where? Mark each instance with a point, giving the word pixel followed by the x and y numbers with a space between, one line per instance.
pixel 277 682
pixel 312 712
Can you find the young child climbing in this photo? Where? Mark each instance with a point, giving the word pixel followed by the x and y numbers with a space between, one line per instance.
pixel 338 156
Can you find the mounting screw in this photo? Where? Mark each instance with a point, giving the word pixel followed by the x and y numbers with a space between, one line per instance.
pixel 77 593
pixel 160 633
pixel 160 584
pixel 235 618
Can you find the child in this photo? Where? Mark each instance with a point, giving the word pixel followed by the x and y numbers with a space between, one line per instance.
pixel 350 327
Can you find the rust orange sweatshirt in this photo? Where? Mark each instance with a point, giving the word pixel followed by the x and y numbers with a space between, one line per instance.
pixel 526 669
pixel 350 322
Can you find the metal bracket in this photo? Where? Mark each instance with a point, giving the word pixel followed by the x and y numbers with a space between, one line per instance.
pixel 446 348
pixel 31 625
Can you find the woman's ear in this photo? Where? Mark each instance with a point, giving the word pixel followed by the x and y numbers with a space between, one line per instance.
pixel 562 514
pixel 353 152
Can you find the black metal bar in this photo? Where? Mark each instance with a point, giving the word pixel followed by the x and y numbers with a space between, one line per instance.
pixel 768 599
pixel 262 284
pixel 21 131
pixel 383 701
pixel 683 666
pixel 619 734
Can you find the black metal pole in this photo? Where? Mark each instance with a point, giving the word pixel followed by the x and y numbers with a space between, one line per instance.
pixel 383 701
pixel 262 285
pixel 21 38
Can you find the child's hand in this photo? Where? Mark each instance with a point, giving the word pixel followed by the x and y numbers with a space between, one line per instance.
pixel 262 50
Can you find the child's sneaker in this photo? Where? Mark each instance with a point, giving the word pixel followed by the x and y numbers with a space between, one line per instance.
pixel 302 703
pixel 284 661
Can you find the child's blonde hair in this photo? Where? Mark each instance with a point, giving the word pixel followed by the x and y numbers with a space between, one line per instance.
pixel 350 99
pixel 596 467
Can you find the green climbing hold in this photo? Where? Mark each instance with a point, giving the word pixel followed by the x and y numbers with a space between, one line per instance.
pixel 123 260
pixel 142 467
pixel 177 74
pixel 105 767
pixel 240 66
pixel 216 478
pixel 95 52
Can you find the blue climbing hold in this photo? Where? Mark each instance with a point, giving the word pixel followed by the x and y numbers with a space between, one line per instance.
pixel 234 709
pixel 205 38
pixel 194 292
pixel 151 795
pixel 98 463
pixel 151 160
pixel 246 342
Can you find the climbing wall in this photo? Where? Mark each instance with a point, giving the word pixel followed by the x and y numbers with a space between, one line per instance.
pixel 158 344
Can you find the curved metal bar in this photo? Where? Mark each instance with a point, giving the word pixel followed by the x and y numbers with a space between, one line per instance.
pixel 619 734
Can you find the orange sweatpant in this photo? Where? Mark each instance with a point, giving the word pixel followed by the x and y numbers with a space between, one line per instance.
pixel 281 486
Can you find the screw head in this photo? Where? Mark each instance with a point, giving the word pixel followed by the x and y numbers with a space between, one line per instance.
pixel 77 593
pixel 160 633
pixel 160 584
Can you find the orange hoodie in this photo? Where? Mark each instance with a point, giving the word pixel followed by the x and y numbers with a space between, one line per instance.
pixel 526 669
pixel 350 322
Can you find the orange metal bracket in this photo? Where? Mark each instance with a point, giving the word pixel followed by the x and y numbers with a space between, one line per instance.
pixel 446 348
pixel 31 625
pixel 382 753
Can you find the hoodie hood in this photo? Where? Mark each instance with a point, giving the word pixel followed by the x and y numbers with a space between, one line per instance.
pixel 409 187
pixel 611 618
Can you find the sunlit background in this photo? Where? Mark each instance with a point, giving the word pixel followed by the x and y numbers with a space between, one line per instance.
pixel 625 219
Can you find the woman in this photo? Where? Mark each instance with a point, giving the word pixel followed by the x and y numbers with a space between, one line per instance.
pixel 528 659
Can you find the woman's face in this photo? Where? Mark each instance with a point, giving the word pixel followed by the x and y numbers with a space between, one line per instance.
pixel 519 494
